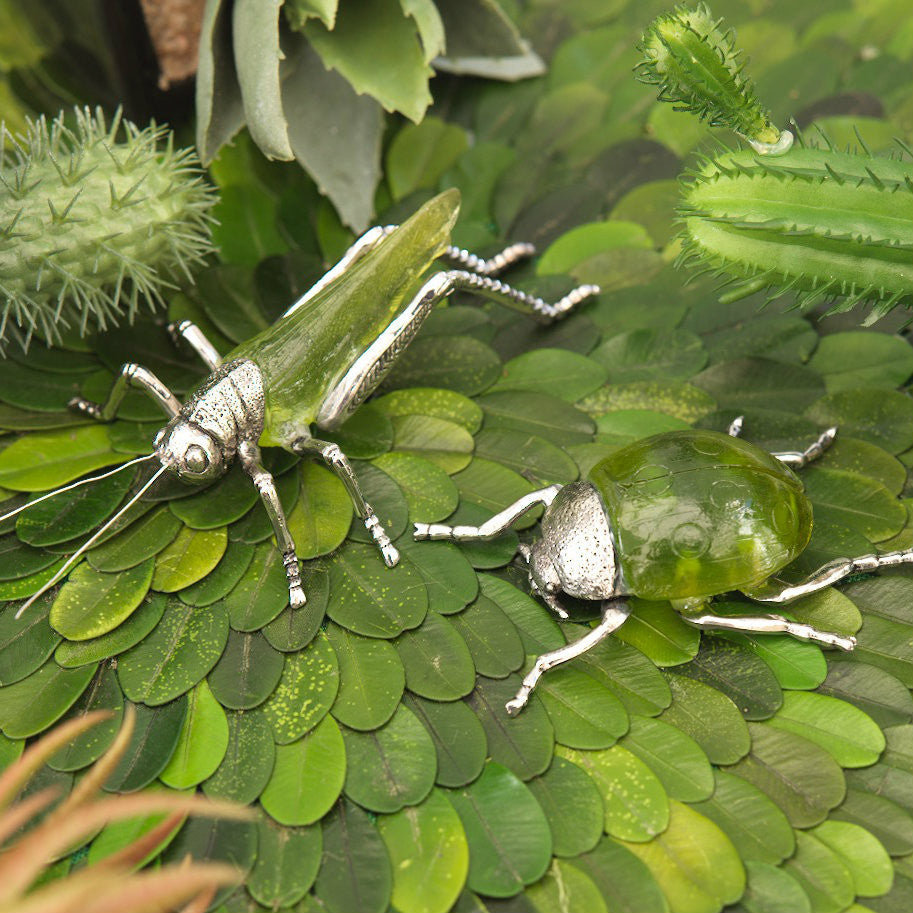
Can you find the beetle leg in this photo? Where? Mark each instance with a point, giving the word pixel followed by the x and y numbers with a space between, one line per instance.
pixel 770 624
pixel 194 337
pixel 615 613
pixel 494 265
pixel 795 459
pixel 494 526
pixel 131 375
pixel 338 463
pixel 831 573
pixel 249 454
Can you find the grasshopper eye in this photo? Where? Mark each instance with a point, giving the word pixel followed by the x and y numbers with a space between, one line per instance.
pixel 196 458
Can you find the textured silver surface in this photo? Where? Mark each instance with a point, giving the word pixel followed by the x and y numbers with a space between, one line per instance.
pixel 575 553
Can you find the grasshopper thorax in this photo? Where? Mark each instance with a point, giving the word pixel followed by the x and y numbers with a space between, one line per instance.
pixel 575 553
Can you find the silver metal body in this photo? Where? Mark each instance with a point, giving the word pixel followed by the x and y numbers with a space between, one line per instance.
pixel 224 419
pixel 576 554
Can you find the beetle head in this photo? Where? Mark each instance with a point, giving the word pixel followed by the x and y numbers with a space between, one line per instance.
pixel 191 453
pixel 575 553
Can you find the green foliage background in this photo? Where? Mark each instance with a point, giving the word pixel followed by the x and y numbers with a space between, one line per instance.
pixel 665 771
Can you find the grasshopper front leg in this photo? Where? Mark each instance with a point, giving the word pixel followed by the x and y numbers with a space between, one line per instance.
pixel 338 463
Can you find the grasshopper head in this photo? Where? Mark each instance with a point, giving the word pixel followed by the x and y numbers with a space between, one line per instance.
pixel 189 452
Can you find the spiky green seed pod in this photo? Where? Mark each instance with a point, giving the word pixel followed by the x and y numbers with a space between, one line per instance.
pixel 696 65
pixel 94 222
pixel 822 223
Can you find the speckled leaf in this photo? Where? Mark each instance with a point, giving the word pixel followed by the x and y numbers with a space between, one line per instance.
pixel 220 504
pixel 155 736
pixel 458 363
pixel 189 558
pixel 123 637
pixel 428 490
pixel 30 705
pixel 26 642
pixel 321 517
pixel 801 778
pixel 658 631
pixel 305 693
pixel 186 643
pixel 584 713
pixel 429 854
pixel 449 578
pixel 756 826
pixel 371 679
pixel 307 777
pixel 141 540
pixel 493 640
pixel 370 599
pixel 708 717
pixel 202 742
pixel 458 737
pixel 881 417
pixel 821 873
pixel 509 840
pixel 849 735
pixel 636 806
pixel 49 459
pixel 741 675
pixel 391 766
pixel 104 694
pixel 436 660
pixel 693 859
pixel 862 359
pixel 247 671
pixel 443 443
pixel 865 459
pixel 356 873
pixel 72 514
pixel 675 398
pixel 572 805
pixel 623 880
pixel 434 401
pixel 92 603
pixel 287 862
pixel 261 593
pixel 248 760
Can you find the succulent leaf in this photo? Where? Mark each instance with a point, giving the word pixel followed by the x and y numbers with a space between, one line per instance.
pixel 697 66
pixel 98 220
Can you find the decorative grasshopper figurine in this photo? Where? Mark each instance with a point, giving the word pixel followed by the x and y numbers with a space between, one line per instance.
pixel 683 516
pixel 315 365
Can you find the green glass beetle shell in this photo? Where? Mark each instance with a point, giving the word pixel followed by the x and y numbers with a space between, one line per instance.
pixel 698 513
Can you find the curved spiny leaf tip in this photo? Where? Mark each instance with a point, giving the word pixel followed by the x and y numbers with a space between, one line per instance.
pixel 97 219
pixel 697 66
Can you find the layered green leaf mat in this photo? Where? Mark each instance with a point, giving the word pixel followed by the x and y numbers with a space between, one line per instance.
pixel 665 771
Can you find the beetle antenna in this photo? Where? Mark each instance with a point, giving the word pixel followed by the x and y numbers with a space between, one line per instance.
pixel 60 491
pixel 65 567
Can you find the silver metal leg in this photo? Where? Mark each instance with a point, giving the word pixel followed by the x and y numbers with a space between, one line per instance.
pixel 494 265
pixel 249 454
pixel 770 624
pixel 339 464
pixel 545 311
pixel 194 337
pixel 831 573
pixel 131 375
pixel 500 523
pixel 614 614
pixel 795 459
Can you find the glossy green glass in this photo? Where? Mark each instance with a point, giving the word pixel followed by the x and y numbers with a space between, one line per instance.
pixel 696 513
pixel 304 355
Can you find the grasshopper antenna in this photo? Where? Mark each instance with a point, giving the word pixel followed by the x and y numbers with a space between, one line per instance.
pixel 60 491
pixel 62 570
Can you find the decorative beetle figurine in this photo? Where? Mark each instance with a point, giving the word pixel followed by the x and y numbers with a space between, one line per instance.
pixel 683 516
pixel 315 365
